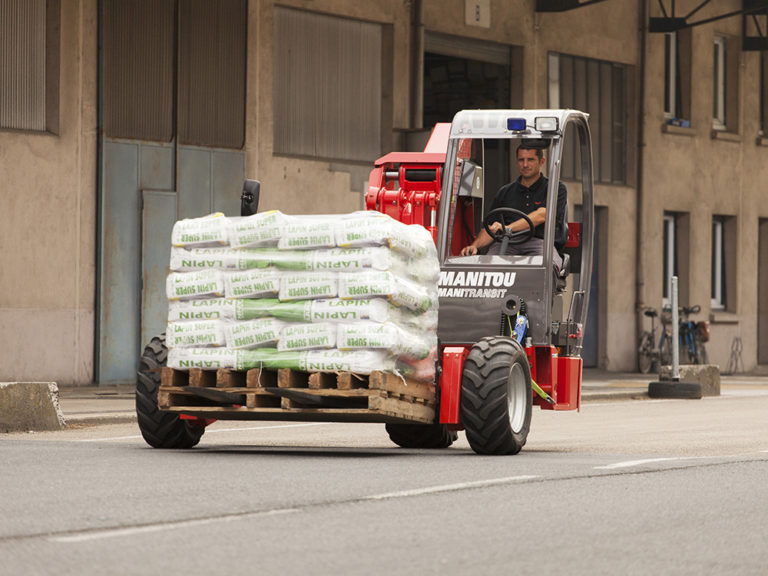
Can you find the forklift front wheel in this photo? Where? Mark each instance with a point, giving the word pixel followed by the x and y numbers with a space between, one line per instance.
pixel 496 396
pixel 160 429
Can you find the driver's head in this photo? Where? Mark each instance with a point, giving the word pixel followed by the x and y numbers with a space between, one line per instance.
pixel 529 161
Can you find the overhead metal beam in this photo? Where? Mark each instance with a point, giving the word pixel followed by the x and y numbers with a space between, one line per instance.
pixel 669 22
pixel 562 5
pixel 754 38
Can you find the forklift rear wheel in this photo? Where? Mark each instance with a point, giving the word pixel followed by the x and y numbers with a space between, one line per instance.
pixel 421 435
pixel 160 429
pixel 496 396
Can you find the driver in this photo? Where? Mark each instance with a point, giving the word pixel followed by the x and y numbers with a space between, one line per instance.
pixel 528 194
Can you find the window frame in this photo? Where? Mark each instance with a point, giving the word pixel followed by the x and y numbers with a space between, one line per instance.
pixel 763 126
pixel 609 123
pixel 669 255
pixel 719 84
pixel 671 76
pixel 718 292
pixel 45 118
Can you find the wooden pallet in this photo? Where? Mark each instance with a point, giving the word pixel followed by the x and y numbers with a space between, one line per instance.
pixel 293 395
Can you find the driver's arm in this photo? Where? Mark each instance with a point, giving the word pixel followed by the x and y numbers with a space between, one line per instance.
pixel 483 239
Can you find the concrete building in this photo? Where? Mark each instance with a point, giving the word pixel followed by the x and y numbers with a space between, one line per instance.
pixel 117 118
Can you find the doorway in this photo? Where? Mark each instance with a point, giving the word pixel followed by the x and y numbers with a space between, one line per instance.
pixel 762 293
pixel 171 137
pixel 462 74
pixel 593 331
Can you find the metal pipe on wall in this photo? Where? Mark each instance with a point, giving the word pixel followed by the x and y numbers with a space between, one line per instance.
pixel 644 10
pixel 417 64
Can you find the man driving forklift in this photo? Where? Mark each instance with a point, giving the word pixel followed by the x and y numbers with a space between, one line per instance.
pixel 527 194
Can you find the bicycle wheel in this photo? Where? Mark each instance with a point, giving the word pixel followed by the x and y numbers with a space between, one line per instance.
pixel 645 353
pixel 701 352
pixel 665 350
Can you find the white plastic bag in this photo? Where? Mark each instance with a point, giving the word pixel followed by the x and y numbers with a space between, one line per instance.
pixel 253 333
pixel 307 337
pixel 196 333
pixel 262 229
pixel 308 286
pixel 307 233
pixel 252 283
pixel 201 284
pixel 209 230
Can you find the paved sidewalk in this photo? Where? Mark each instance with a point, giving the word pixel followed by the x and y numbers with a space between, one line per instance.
pixel 91 405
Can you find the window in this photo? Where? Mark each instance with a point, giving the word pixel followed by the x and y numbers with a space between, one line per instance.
pixel 763 94
pixel 670 255
pixel 29 61
pixel 212 48
pixel 599 88
pixel 720 88
pixel 723 271
pixel 677 77
pixel 718 263
pixel 327 86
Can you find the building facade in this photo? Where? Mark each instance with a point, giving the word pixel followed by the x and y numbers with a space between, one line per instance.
pixel 118 117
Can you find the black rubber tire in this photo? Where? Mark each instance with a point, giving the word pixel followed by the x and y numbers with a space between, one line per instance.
pixel 645 354
pixel 496 379
pixel 671 389
pixel 160 429
pixel 421 435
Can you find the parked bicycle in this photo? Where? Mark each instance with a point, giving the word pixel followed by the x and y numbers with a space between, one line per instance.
pixel 691 335
pixel 649 356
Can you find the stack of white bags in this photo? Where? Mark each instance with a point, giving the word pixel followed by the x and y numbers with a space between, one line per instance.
pixel 354 292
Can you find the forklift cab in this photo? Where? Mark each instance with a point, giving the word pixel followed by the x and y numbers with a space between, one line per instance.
pixel 481 294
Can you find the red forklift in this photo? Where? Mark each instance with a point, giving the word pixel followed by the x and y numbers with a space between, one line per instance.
pixel 510 327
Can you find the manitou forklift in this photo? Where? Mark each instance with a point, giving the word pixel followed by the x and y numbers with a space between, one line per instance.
pixel 510 327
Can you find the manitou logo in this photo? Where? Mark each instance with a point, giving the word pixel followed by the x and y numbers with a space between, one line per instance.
pixel 475 284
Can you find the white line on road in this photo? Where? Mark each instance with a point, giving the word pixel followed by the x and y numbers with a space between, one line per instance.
pixel 632 463
pixel 132 531
pixel 450 487
pixel 213 431
pixel 101 534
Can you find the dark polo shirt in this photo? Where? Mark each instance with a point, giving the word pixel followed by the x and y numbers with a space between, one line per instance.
pixel 527 199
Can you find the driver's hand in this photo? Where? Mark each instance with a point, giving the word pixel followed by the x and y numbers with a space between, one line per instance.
pixel 469 250
pixel 495 227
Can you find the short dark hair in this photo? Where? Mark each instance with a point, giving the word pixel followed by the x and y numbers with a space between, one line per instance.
pixel 539 151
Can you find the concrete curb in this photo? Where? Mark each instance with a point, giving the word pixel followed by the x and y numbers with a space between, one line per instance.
pixel 28 406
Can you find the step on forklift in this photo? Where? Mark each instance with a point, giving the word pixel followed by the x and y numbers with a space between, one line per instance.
pixel 510 327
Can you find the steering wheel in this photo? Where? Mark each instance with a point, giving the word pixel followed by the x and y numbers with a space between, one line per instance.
pixel 517 237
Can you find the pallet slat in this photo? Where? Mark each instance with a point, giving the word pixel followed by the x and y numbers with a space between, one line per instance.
pixel 295 395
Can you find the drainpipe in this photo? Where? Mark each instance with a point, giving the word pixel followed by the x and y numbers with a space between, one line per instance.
pixel 639 232
pixel 417 64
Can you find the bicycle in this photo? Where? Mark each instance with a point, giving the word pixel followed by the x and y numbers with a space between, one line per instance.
pixel 650 357
pixel 692 337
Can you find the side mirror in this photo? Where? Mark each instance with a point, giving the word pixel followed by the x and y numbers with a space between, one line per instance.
pixel 249 199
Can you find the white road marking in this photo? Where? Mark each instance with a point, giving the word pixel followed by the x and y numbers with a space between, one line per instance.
pixel 161 527
pixel 450 487
pixel 101 534
pixel 213 431
pixel 632 463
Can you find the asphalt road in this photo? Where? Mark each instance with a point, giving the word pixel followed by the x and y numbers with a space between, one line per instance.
pixel 631 487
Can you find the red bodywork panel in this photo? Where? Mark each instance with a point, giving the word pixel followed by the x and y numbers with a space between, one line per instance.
pixel 450 383
pixel 560 377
